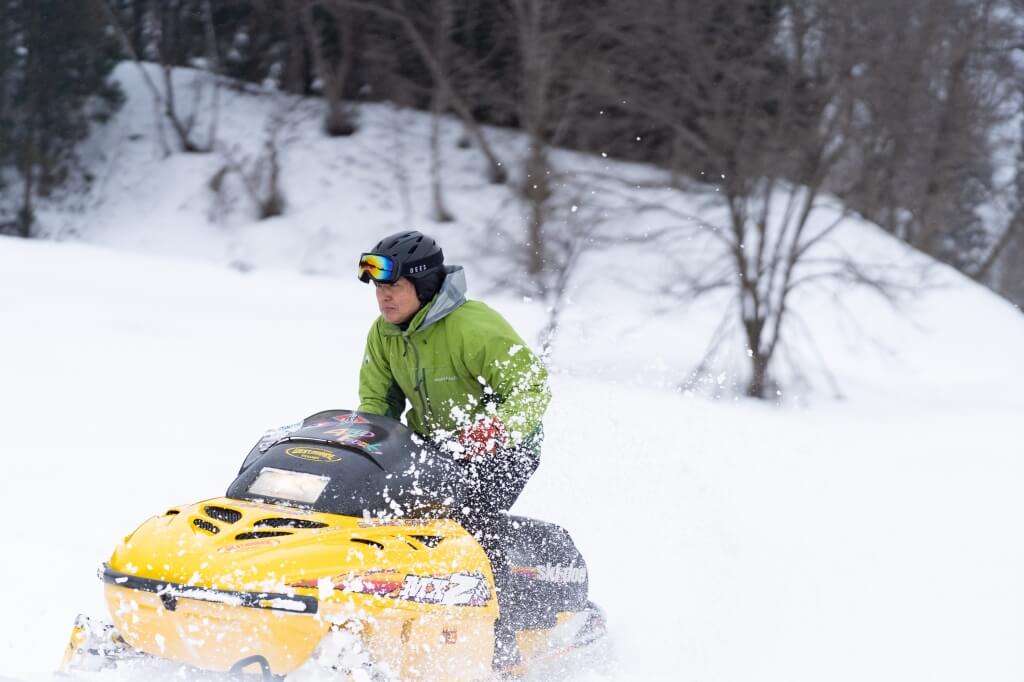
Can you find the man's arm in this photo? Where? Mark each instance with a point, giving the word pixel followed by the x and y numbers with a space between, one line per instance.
pixel 378 391
pixel 517 377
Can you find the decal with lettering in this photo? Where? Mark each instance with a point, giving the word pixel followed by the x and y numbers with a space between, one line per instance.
pixel 313 454
pixel 458 589
pixel 553 574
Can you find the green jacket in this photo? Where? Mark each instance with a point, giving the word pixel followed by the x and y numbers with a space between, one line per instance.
pixel 457 360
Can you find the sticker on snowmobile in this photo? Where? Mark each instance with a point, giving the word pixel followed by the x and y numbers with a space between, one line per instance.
pixel 458 589
pixel 381 523
pixel 553 574
pixel 351 419
pixel 357 437
pixel 313 454
pixel 274 435
pixel 249 544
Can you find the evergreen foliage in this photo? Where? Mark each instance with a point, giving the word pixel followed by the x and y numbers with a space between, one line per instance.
pixel 55 59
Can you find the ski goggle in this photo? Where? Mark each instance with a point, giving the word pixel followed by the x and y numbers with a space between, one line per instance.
pixel 383 269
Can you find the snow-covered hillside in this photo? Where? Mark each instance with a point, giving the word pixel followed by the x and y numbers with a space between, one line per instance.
pixel 344 194
pixel 868 538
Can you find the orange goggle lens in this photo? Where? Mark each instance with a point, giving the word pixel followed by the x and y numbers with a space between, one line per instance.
pixel 378 268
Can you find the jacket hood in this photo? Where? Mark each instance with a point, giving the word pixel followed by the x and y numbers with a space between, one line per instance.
pixel 450 297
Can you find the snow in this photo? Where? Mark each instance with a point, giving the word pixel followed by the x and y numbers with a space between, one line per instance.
pixel 867 537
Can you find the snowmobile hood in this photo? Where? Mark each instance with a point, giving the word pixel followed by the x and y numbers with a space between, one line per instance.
pixel 239 546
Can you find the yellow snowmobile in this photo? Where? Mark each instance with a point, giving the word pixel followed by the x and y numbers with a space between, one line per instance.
pixel 331 554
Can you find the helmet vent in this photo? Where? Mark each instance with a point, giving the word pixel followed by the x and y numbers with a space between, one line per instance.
pixel 371 543
pixel 222 514
pixel 203 524
pixel 257 534
pixel 283 522
pixel 172 512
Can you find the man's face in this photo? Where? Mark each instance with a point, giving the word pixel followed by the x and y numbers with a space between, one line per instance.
pixel 397 302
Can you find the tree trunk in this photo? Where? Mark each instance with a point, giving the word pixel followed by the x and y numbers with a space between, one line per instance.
pixel 338 122
pixel 26 214
pixel 495 170
pixel 759 359
pixel 537 190
pixel 441 212
pixel 931 223
pixel 296 68
pixel 758 386
pixel 138 26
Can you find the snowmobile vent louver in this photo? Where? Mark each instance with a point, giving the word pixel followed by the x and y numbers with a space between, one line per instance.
pixel 222 513
pixel 257 534
pixel 281 522
pixel 430 541
pixel 203 524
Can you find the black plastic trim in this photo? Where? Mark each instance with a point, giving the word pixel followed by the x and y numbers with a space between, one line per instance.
pixel 225 514
pixel 288 522
pixel 170 592
pixel 259 534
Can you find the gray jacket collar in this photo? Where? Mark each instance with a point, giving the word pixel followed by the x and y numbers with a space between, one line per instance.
pixel 450 297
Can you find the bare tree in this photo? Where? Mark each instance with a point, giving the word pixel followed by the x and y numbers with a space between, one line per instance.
pixel 332 62
pixel 259 174
pixel 438 105
pixel 930 93
pixel 397 11
pixel 550 47
pixel 214 69
pixel 164 98
pixel 767 106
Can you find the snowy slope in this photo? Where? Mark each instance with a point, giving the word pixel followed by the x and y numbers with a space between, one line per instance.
pixel 344 194
pixel 868 538
pixel 727 541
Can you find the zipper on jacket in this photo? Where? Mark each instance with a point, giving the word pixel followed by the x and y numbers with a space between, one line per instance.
pixel 420 384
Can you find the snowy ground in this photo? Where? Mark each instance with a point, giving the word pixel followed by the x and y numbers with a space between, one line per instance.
pixel 869 538
pixel 727 541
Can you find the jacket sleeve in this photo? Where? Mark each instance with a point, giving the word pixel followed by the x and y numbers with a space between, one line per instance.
pixel 378 391
pixel 516 377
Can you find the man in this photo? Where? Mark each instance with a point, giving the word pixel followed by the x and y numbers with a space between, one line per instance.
pixel 473 385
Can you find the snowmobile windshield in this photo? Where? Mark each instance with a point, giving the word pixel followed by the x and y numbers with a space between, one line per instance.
pixel 348 463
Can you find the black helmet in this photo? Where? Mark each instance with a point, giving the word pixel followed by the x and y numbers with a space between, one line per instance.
pixel 409 254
